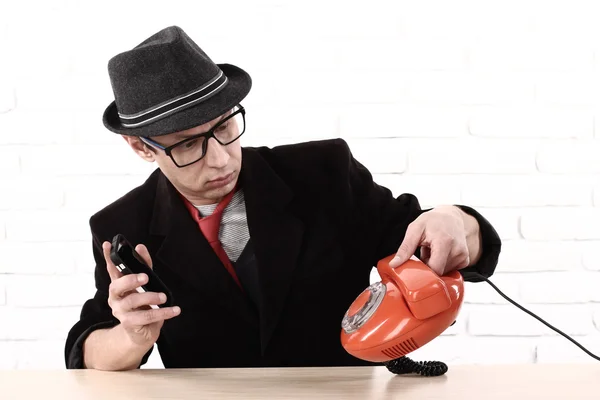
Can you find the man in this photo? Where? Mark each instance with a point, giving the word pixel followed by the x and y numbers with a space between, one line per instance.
pixel 298 229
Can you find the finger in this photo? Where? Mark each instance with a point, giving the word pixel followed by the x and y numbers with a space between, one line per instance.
pixel 143 251
pixel 412 239
pixel 136 300
pixel 119 287
pixel 113 272
pixel 459 258
pixel 146 317
pixel 425 254
pixel 440 252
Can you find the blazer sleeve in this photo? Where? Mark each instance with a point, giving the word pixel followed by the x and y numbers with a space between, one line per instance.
pixel 95 313
pixel 386 218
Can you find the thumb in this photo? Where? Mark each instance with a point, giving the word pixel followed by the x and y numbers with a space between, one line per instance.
pixel 409 245
pixel 143 252
pixel 113 272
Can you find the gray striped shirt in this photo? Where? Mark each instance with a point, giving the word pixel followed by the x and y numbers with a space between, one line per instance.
pixel 233 232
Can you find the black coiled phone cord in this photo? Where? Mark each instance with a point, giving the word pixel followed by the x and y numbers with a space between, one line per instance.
pixel 405 365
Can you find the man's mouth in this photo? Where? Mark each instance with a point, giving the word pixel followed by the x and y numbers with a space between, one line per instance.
pixel 221 179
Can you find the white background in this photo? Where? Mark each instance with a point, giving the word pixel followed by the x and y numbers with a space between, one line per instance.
pixel 493 104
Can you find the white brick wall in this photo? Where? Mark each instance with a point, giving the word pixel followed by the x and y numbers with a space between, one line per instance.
pixel 464 102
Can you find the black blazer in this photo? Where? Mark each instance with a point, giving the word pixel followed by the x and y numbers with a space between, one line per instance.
pixel 318 224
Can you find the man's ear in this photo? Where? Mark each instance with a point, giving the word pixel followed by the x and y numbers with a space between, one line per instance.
pixel 141 149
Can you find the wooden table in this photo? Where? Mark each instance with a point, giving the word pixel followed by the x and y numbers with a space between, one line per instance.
pixel 534 381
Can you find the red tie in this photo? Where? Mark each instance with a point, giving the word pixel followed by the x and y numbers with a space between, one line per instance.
pixel 210 228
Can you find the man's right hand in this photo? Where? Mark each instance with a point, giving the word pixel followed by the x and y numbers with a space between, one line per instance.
pixel 140 322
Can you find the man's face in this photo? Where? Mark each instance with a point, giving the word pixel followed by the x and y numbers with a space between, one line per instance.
pixel 206 181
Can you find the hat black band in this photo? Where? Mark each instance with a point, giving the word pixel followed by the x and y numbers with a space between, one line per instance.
pixel 177 104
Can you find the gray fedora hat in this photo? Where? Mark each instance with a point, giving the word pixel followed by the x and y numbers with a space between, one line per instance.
pixel 168 84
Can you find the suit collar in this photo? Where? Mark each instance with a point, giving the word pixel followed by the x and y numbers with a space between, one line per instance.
pixel 275 232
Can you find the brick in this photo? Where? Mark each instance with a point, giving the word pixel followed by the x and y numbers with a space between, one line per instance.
pixel 457 350
pixel 40 355
pixel 379 155
pixel 318 88
pixel 94 63
pixel 579 156
pixel 533 256
pixel 84 258
pixel 378 121
pixel 35 127
pixel 37 323
pixel 29 193
pixel 29 291
pixel 449 21
pixel 54 45
pixel 75 93
pixel 508 320
pixel 7 99
pixel 459 328
pixel 441 55
pixel 322 62
pixel 468 88
pixel 523 54
pixel 352 87
pixel 560 287
pixel 50 226
pixel 9 161
pixel 10 355
pixel 483 293
pixel 274 122
pixel 88 129
pixel 373 22
pixel 590 258
pixel 561 224
pixel 532 190
pixel 41 258
pixel 472 156
pixel 504 220
pixel 531 122
pixel 92 193
pixel 2 228
pixel 78 160
pixel 57 5
pixel 429 189
pixel 565 88
pixel 577 21
pixel 559 350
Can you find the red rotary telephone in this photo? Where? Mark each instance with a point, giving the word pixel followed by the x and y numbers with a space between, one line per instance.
pixel 408 308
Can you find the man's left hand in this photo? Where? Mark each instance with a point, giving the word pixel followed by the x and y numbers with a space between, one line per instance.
pixel 448 237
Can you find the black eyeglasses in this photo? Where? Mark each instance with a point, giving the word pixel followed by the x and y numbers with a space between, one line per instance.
pixel 193 149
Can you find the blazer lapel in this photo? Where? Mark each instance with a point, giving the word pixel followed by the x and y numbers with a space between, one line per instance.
pixel 276 235
pixel 185 251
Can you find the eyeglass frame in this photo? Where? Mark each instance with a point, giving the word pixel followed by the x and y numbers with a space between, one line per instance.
pixel 208 134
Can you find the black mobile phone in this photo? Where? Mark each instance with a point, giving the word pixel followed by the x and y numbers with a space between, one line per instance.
pixel 128 261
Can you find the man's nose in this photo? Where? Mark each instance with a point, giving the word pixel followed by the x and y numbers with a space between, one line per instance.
pixel 216 155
